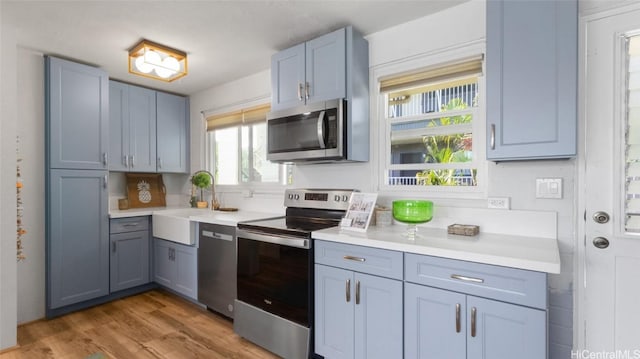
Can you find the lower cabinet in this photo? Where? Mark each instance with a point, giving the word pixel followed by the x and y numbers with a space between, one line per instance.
pixel 175 266
pixel 130 247
pixel 357 315
pixel 445 324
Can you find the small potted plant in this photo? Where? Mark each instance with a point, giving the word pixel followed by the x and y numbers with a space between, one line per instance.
pixel 203 181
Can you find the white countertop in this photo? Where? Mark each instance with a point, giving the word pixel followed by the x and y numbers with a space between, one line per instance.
pixel 204 215
pixel 531 253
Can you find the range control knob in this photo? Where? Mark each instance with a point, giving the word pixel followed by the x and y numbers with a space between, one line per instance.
pixel 290 196
pixel 336 198
pixel 345 198
pixel 296 197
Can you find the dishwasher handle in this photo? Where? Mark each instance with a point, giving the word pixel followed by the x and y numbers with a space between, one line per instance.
pixel 215 235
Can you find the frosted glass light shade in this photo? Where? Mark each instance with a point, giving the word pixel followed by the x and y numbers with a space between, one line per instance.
pixel 157 61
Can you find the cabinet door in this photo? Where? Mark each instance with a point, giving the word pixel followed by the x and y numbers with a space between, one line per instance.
pixel 186 266
pixel 532 89
pixel 288 77
pixel 505 330
pixel 172 133
pixel 77 98
pixel 129 260
pixel 77 236
pixel 434 323
pixel 163 264
pixel 378 317
pixel 118 126
pixel 142 125
pixel 326 67
pixel 334 312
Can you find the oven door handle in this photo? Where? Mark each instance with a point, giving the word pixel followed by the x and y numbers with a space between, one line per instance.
pixel 269 238
pixel 320 127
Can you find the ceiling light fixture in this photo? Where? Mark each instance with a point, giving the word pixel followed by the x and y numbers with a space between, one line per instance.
pixel 157 61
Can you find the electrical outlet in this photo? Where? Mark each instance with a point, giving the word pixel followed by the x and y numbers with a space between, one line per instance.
pixel 498 202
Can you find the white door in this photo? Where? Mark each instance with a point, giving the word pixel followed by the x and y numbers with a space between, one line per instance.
pixel 609 267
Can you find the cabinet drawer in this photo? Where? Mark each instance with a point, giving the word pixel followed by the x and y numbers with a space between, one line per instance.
pixel 380 262
pixel 505 284
pixel 129 224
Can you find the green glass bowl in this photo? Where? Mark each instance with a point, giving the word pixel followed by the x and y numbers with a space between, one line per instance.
pixel 412 211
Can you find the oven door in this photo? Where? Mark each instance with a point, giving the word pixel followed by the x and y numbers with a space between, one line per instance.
pixel 274 274
pixel 312 132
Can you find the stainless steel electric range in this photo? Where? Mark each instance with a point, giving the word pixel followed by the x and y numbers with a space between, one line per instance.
pixel 274 307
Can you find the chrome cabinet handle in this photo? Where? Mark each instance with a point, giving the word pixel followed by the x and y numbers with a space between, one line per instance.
pixel 106 181
pixel 457 317
pixel 159 162
pixel 306 90
pixel 320 130
pixel 104 158
pixel 348 290
pixel 492 140
pixel 357 292
pixel 473 322
pixel 133 161
pixel 300 91
pixel 126 161
pixel 352 258
pixel 467 279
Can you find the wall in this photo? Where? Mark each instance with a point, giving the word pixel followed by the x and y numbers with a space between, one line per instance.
pixel 8 82
pixel 31 271
pixel 515 180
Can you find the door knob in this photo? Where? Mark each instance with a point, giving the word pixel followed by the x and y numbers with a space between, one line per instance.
pixel 601 217
pixel 601 242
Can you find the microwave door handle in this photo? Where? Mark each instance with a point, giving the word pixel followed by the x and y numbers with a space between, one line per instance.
pixel 321 130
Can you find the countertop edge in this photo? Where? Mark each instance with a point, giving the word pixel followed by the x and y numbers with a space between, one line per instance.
pixel 550 265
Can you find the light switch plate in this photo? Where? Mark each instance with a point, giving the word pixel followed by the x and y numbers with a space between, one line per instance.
pixel 549 188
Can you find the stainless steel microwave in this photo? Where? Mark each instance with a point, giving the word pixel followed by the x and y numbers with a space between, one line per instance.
pixel 311 133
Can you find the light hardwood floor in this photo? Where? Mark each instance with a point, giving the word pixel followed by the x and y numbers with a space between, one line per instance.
pixel 155 324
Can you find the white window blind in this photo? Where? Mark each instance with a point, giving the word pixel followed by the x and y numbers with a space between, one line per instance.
pixel 632 168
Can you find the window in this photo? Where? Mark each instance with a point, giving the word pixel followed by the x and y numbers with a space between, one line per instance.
pixel 237 148
pixel 430 117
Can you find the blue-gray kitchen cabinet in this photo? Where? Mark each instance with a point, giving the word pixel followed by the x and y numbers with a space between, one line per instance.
pixel 132 128
pixel 77 113
pixel 172 129
pixel 357 315
pixel 310 72
pixel 130 247
pixel 175 266
pixel 531 77
pixel 458 309
pixel 77 236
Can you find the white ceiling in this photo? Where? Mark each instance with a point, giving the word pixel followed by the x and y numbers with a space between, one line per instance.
pixel 224 40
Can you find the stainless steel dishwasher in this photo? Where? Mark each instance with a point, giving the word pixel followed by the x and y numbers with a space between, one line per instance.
pixel 217 267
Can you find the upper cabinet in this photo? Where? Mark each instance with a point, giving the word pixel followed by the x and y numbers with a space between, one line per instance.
pixel 531 68
pixel 132 124
pixel 77 110
pixel 309 72
pixel 172 126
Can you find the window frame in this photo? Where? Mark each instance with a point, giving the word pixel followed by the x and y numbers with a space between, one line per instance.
pixel 209 155
pixel 478 125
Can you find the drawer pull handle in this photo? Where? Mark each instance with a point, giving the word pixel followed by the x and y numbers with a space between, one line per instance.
pixel 130 224
pixel 473 322
pixel 352 258
pixel 348 290
pixel 467 279
pixel 457 317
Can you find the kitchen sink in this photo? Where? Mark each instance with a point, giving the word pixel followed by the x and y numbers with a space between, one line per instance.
pixel 175 226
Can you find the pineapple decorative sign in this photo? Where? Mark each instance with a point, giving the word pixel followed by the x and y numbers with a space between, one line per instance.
pixel 145 190
pixel 144 195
